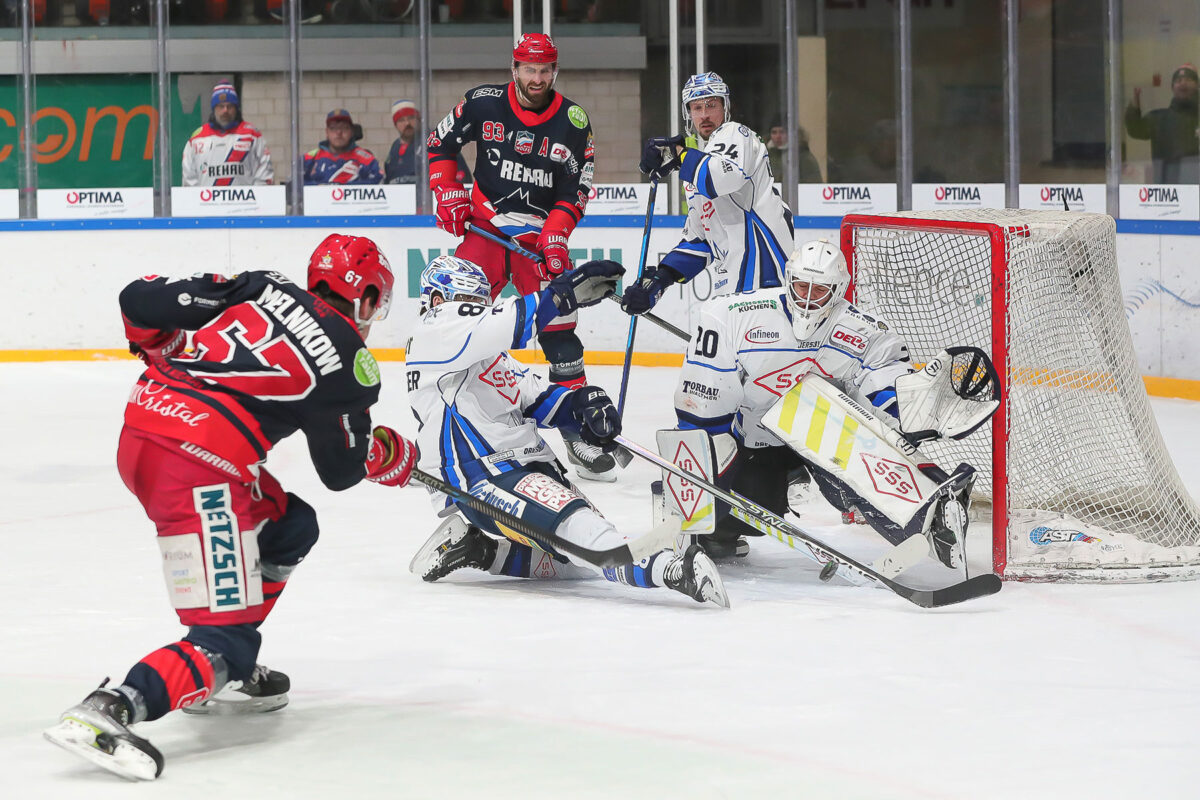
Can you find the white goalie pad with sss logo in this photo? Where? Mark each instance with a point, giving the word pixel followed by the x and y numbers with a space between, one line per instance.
pixel 704 456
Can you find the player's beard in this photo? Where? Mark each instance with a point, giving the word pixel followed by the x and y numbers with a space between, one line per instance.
pixel 535 103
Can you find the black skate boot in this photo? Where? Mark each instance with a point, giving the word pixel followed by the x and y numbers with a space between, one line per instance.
pixel 590 462
pixel 454 545
pixel 267 690
pixel 695 575
pixel 723 547
pixel 98 729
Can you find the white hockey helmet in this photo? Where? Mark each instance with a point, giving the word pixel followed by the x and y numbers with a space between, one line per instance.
pixel 817 280
pixel 454 278
pixel 706 84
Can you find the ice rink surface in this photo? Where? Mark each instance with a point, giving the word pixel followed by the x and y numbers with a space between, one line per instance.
pixel 497 688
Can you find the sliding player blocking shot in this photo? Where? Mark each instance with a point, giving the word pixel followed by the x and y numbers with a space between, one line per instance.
pixel 480 412
pixel 779 379
pixel 269 358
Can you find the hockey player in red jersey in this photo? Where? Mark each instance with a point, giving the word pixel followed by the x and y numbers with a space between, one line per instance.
pixel 534 167
pixel 269 358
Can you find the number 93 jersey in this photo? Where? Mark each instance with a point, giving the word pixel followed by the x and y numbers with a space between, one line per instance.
pixel 743 357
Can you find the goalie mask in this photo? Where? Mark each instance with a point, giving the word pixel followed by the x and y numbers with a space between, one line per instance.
pixel 817 280
pixel 698 87
pixel 349 266
pixel 453 278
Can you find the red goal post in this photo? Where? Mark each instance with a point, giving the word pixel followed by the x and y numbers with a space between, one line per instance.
pixel 1073 464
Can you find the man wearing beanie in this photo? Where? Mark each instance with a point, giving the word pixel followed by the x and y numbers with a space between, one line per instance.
pixel 226 150
pixel 401 164
pixel 1173 131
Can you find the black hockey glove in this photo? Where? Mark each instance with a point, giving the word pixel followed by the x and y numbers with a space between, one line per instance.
pixel 641 296
pixel 585 285
pixel 658 156
pixel 598 421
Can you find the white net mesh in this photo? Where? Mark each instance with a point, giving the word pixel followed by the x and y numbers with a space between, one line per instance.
pixel 1091 491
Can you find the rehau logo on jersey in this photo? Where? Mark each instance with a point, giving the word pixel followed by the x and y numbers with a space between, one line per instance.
pixel 512 171
pixel 222 548
pixel 523 144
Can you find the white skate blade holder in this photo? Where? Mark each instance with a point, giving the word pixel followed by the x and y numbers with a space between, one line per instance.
pixel 125 759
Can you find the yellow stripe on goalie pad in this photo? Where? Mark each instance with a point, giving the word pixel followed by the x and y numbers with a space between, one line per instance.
pixel 847 441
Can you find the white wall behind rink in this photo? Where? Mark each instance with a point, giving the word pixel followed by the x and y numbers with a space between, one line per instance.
pixel 61 285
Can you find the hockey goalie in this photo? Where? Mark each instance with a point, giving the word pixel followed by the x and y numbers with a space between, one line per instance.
pixel 786 386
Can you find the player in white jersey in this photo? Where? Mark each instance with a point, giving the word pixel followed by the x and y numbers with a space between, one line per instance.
pixel 226 150
pixel 737 225
pixel 479 413
pixel 752 348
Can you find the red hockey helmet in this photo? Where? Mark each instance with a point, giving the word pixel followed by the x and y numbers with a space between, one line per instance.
pixel 535 48
pixel 349 265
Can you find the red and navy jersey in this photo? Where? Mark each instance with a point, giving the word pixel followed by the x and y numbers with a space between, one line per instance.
pixel 356 165
pixel 526 163
pixel 268 358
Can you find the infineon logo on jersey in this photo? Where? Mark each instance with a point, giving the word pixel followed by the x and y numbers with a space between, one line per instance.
pixel 759 335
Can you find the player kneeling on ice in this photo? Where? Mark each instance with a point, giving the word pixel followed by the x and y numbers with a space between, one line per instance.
pixel 479 412
pixel 268 359
pixel 781 379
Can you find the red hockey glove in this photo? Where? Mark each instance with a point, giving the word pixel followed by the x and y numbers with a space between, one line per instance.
pixel 166 344
pixel 391 458
pixel 555 258
pixel 453 208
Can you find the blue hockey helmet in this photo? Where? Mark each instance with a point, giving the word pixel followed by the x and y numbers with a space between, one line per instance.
pixel 454 278
pixel 706 84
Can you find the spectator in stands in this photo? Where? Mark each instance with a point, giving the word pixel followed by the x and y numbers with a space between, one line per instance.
pixel 339 159
pixel 777 144
pixel 226 150
pixel 400 166
pixel 1174 131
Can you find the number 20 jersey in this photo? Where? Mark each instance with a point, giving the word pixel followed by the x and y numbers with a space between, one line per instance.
pixel 268 358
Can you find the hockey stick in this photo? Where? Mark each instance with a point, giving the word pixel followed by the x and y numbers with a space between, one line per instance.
pixel 633 318
pixel 657 320
pixel 631 552
pixel 854 571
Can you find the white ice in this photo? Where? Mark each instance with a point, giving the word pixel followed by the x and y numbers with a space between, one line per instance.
pixel 498 688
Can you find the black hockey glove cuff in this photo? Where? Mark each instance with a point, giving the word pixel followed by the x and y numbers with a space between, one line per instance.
pixel 598 420
pixel 583 286
pixel 643 295
pixel 659 158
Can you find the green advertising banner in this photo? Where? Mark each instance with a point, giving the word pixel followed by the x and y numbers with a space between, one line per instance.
pixel 91 131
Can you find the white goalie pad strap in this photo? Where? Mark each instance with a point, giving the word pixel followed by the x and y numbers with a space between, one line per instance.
pixel 691 450
pixel 836 434
pixel 929 405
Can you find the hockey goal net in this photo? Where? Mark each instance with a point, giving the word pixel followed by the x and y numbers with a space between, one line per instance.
pixel 1073 464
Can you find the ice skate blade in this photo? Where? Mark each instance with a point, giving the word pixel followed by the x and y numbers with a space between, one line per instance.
pixel 608 476
pixel 126 760
pixel 226 706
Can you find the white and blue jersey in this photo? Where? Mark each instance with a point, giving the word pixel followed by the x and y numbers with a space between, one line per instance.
pixel 478 410
pixel 744 357
pixel 737 224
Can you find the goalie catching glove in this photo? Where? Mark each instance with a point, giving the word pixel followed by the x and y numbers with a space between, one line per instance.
pixel 391 457
pixel 955 393
pixel 598 420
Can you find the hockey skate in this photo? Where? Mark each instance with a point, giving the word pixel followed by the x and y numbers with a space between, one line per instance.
pixel 454 545
pixel 590 462
pixel 720 547
pixel 97 729
pixel 947 526
pixel 695 575
pixel 267 690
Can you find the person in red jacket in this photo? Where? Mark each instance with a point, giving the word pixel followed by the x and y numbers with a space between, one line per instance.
pixel 268 358
pixel 534 166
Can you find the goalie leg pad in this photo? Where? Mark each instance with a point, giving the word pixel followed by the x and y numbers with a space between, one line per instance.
pixel 842 497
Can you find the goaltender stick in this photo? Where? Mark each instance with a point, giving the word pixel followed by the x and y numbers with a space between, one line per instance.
pixel 750 355
pixel 479 413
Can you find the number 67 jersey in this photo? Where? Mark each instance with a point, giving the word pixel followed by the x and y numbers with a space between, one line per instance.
pixel 268 358
pixel 744 357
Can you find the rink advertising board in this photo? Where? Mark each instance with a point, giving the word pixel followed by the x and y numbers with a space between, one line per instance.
pixel 946 196
pixel 107 203
pixel 1157 201
pixel 838 199
pixel 1091 197
pixel 228 201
